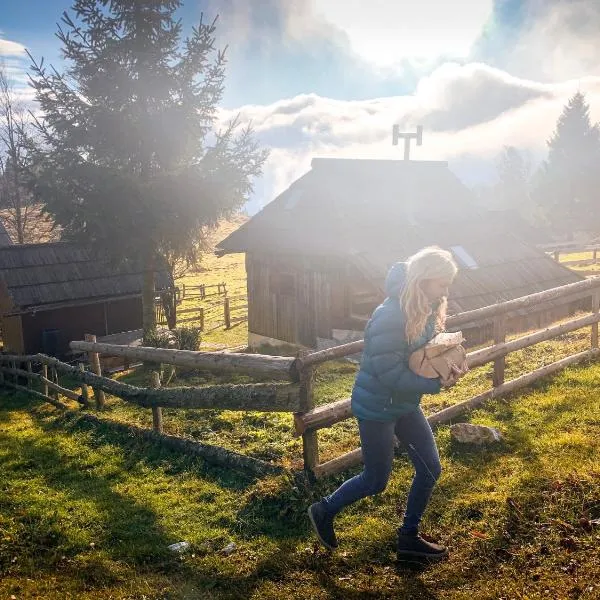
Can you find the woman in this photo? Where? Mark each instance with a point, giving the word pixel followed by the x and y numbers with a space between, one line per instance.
pixel 387 394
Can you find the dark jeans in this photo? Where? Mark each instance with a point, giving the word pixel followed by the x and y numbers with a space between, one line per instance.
pixel 377 443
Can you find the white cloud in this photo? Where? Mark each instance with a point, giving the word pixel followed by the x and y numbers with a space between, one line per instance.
pixel 387 31
pixel 469 112
pixel 8 48
pixel 558 40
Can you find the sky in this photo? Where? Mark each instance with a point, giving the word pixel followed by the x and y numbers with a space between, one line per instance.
pixel 331 77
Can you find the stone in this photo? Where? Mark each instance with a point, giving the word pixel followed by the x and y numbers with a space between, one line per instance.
pixel 467 433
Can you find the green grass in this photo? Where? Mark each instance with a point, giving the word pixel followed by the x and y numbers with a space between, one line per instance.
pixel 88 513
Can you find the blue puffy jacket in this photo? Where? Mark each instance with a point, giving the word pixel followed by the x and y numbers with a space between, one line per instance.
pixel 385 387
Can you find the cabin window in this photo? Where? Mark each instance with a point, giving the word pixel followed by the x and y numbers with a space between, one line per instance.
pixel 283 284
pixel 463 258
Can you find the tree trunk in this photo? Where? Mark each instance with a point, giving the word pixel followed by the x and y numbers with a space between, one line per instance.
pixel 148 294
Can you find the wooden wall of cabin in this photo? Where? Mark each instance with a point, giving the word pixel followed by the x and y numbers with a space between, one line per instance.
pixel 294 299
pixel 72 323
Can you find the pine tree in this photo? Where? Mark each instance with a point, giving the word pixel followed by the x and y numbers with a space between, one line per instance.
pixel 131 162
pixel 568 181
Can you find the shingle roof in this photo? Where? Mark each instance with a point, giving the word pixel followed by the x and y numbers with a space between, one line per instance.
pixel 61 272
pixel 383 211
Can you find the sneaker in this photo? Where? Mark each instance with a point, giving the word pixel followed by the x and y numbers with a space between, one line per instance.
pixel 322 523
pixel 414 546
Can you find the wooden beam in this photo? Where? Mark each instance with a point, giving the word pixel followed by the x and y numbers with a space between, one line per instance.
pixel 48 384
pixel 277 367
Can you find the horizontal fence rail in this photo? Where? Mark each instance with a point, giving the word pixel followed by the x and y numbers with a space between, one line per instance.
pixel 277 367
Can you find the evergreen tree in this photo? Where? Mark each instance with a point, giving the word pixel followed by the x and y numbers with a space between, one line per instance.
pixel 568 181
pixel 131 161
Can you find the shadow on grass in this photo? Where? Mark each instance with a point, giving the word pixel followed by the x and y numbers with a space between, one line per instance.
pixel 129 530
pixel 153 455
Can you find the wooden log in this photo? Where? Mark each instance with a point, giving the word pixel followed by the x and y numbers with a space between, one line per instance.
pixel 354 457
pixel 94 359
pixel 211 454
pixel 485 355
pixel 500 361
pixel 525 302
pixel 53 401
pixel 45 380
pixel 329 414
pixel 85 392
pixel 449 413
pixel 227 313
pixel 264 397
pixel 54 382
pixel 322 416
pixel 201 319
pixel 48 383
pixel 595 310
pixel 310 441
pixel 29 374
pixel 339 464
pixel 157 419
pixel 277 367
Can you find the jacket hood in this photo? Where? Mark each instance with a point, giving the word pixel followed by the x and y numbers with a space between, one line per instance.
pixel 395 280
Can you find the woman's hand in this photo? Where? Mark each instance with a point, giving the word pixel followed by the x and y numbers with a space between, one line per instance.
pixel 455 375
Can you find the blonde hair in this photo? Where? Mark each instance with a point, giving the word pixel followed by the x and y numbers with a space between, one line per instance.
pixel 429 263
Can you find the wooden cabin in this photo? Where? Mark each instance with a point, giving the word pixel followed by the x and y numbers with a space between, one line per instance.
pixel 317 255
pixel 53 293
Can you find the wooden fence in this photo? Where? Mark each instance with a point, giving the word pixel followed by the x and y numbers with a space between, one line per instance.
pixel 226 311
pixel 293 392
pixel 571 248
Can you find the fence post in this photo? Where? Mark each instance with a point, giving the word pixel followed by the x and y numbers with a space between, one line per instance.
pixel 201 318
pixel 310 442
pixel 595 309
pixel 85 393
pixel 594 255
pixel 94 359
pixel 557 255
pixel 183 290
pixel 30 378
pixel 13 364
pixel 157 420
pixel 499 338
pixel 202 291
pixel 45 376
pixel 54 377
pixel 227 313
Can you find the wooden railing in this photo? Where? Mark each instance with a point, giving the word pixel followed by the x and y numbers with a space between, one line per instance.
pixel 292 391
pixel 308 422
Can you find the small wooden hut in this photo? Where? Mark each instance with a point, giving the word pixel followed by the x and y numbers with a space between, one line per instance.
pixel 53 293
pixel 317 255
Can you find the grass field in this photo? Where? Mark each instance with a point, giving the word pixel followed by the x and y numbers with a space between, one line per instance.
pixel 87 512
